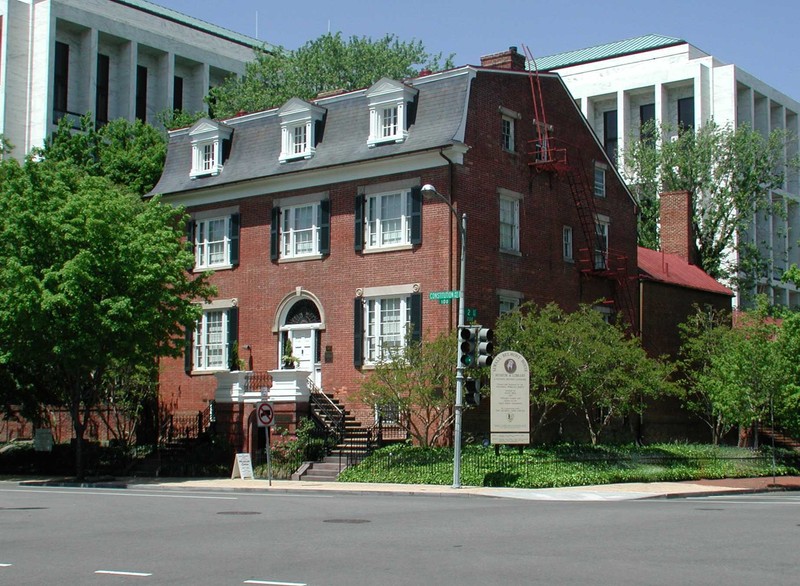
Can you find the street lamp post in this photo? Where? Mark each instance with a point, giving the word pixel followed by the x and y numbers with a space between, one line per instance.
pixel 459 406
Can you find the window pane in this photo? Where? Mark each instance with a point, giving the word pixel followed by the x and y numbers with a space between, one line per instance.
pixel 508 224
pixel 389 126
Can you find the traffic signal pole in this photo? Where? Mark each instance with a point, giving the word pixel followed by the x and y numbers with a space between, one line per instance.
pixel 459 407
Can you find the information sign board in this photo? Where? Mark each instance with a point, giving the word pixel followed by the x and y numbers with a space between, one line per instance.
pixel 510 421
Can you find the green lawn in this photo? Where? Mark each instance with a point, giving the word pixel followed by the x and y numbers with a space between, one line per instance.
pixel 568 465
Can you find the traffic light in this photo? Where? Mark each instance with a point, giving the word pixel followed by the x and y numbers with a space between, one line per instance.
pixel 485 347
pixel 472 391
pixel 467 338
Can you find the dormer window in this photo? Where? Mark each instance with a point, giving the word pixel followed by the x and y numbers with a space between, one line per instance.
pixel 208 141
pixel 299 121
pixel 388 111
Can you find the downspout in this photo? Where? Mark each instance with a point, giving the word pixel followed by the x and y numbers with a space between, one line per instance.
pixel 451 277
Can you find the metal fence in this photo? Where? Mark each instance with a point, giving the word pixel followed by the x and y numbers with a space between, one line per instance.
pixel 511 468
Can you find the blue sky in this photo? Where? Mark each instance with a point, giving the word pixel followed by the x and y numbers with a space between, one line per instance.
pixel 760 37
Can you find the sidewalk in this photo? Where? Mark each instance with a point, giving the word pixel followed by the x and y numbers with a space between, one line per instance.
pixel 606 492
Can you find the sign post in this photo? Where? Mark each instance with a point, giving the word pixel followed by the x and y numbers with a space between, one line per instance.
pixel 265 415
pixel 510 420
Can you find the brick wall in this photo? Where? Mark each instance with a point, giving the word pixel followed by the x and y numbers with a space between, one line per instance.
pixel 538 273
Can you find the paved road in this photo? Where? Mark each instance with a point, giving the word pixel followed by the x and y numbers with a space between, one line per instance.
pixel 55 535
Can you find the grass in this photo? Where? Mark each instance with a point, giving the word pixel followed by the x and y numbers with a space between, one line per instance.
pixel 568 465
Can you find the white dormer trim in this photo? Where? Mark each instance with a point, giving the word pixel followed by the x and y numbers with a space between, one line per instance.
pixel 207 138
pixel 388 111
pixel 298 129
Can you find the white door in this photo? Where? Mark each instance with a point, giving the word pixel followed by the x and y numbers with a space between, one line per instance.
pixel 303 348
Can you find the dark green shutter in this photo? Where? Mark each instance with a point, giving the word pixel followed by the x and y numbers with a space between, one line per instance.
pixel 416 215
pixel 359 224
pixel 234 238
pixel 274 233
pixel 190 232
pixel 416 316
pixel 325 226
pixel 188 354
pixel 233 336
pixel 358 332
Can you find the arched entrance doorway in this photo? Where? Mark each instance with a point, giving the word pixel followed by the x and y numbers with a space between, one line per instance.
pixel 300 328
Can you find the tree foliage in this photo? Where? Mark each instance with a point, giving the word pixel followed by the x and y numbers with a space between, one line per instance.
pixel 93 280
pixel 327 63
pixel 728 173
pixel 739 374
pixel 580 362
pixel 418 382
pixel 129 154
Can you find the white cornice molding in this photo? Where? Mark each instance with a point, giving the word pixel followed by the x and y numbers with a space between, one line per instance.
pixel 320 177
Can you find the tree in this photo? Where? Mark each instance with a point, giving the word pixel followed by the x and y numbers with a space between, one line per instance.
pixel 129 154
pixel 582 363
pixel 325 64
pixel 702 337
pixel 92 281
pixel 418 382
pixel 728 173
pixel 742 370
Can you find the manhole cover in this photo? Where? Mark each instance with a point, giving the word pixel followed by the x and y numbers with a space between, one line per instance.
pixel 350 521
pixel 701 509
pixel 238 513
pixel 23 508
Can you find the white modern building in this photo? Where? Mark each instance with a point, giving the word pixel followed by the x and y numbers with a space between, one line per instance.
pixel 622 85
pixel 114 58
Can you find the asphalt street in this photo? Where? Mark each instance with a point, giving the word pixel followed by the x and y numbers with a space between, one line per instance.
pixel 141 535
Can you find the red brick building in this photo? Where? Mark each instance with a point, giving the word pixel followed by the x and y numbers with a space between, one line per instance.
pixel 312 218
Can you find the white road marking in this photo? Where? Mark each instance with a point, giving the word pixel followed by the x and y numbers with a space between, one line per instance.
pixel 6 565
pixel 123 573
pixel 269 583
pixel 118 492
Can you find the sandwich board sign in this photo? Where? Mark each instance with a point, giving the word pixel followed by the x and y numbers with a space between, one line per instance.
pixel 510 416
pixel 243 466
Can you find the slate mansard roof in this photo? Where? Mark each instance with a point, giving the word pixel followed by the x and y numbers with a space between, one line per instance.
pixel 437 119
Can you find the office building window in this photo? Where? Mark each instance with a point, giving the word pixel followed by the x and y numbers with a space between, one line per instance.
pixel 610 136
pixel 141 93
pixel 685 114
pixel 61 80
pixel 101 101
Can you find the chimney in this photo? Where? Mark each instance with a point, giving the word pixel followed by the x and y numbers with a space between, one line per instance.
pixel 506 60
pixel 677 234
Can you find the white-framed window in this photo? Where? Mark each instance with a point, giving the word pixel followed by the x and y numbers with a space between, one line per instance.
pixel 601 243
pixel 388 111
pixel 566 240
pixel 507 133
pixel 599 181
pixel 207 139
pixel 299 120
pixel 212 242
pixel 211 350
pixel 388 122
pixel 388 219
pixel 508 304
pixel 300 230
pixel 386 321
pixel 509 224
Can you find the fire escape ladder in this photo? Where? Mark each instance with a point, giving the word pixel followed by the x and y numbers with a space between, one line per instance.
pixel 546 155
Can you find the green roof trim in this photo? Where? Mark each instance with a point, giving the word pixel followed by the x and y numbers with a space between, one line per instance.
pixel 195 23
pixel 607 51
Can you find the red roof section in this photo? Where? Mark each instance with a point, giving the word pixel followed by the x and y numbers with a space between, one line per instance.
pixel 673 270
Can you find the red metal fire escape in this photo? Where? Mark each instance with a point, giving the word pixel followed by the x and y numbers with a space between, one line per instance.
pixel 551 155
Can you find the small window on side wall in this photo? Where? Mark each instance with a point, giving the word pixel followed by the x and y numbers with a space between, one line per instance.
pixel 599 180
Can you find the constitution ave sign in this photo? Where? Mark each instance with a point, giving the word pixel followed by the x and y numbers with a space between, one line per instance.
pixel 510 417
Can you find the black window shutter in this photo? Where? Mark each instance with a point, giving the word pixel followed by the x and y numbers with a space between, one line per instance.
pixel 358 333
pixel 188 353
pixel 190 231
pixel 234 237
pixel 274 233
pixel 416 215
pixel 416 316
pixel 233 337
pixel 325 226
pixel 359 225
